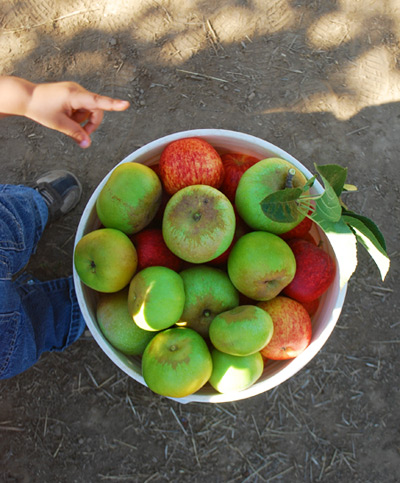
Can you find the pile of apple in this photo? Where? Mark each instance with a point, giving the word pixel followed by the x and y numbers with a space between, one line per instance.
pixel 193 277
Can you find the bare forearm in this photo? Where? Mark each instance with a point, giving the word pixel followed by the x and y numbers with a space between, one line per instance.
pixel 15 95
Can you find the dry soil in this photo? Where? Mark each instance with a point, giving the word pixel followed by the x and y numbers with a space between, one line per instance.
pixel 319 79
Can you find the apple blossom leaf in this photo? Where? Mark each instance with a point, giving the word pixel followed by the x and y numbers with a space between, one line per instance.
pixel 344 243
pixel 282 205
pixel 335 175
pixel 309 184
pixel 327 206
pixel 371 243
pixel 370 225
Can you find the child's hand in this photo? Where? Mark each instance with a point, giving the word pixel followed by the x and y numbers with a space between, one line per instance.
pixel 71 109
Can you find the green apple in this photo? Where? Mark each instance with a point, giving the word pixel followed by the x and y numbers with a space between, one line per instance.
pixel 259 181
pixel 156 298
pixel 176 362
pixel 235 373
pixel 199 223
pixel 130 198
pixel 105 260
pixel 117 326
pixel 241 331
pixel 261 264
pixel 208 292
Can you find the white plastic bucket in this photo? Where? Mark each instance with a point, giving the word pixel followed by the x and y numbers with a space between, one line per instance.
pixel 275 372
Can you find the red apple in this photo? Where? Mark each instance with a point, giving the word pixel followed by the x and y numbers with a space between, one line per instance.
pixel 292 328
pixel 235 165
pixel 190 161
pixel 311 307
pixel 310 238
pixel 298 231
pixel 152 250
pixel 315 271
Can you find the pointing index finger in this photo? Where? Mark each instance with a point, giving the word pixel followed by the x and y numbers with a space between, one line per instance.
pixel 91 101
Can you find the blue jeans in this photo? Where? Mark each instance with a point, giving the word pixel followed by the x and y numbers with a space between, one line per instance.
pixel 35 317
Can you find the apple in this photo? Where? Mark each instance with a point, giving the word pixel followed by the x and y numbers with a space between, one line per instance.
pixel 152 250
pixel 235 164
pixel 156 298
pixel 198 224
pixel 176 362
pixel 260 265
pixel 241 331
pixel 240 229
pixel 130 198
pixel 190 161
pixel 208 292
pixel 105 260
pixel 315 271
pixel 311 307
pixel 299 231
pixel 292 328
pixel 117 326
pixel 235 373
pixel 259 181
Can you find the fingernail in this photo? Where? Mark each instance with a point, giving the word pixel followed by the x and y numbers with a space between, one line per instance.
pixel 84 144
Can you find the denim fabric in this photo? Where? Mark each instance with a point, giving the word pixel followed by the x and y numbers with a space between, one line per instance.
pixel 35 316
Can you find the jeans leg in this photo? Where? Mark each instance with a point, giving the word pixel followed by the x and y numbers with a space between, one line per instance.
pixel 35 317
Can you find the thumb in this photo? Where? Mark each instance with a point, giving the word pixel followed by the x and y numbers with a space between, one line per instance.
pixel 74 130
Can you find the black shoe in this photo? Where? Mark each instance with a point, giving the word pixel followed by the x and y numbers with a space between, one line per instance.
pixel 61 191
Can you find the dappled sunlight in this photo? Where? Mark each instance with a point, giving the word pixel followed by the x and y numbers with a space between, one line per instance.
pixel 371 80
pixel 236 24
pixel 332 30
pixel 170 33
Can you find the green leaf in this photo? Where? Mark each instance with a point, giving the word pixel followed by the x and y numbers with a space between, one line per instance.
pixel 327 206
pixel 282 205
pixel 344 244
pixel 368 239
pixel 335 175
pixel 370 225
pixel 309 183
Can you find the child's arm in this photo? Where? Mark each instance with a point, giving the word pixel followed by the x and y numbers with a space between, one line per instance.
pixel 62 106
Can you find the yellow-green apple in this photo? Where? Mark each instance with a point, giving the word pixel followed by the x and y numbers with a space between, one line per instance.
pixel 235 373
pixel 156 298
pixel 176 362
pixel 241 331
pixel 199 223
pixel 315 271
pixel 190 161
pixel 152 250
pixel 260 265
pixel 259 181
pixel 292 328
pixel 208 292
pixel 105 260
pixel 117 326
pixel 235 164
pixel 130 198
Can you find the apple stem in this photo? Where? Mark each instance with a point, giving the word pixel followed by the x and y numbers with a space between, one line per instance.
pixel 289 178
pixel 93 266
pixel 196 216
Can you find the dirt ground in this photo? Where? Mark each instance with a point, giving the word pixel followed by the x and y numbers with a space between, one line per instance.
pixel 320 79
